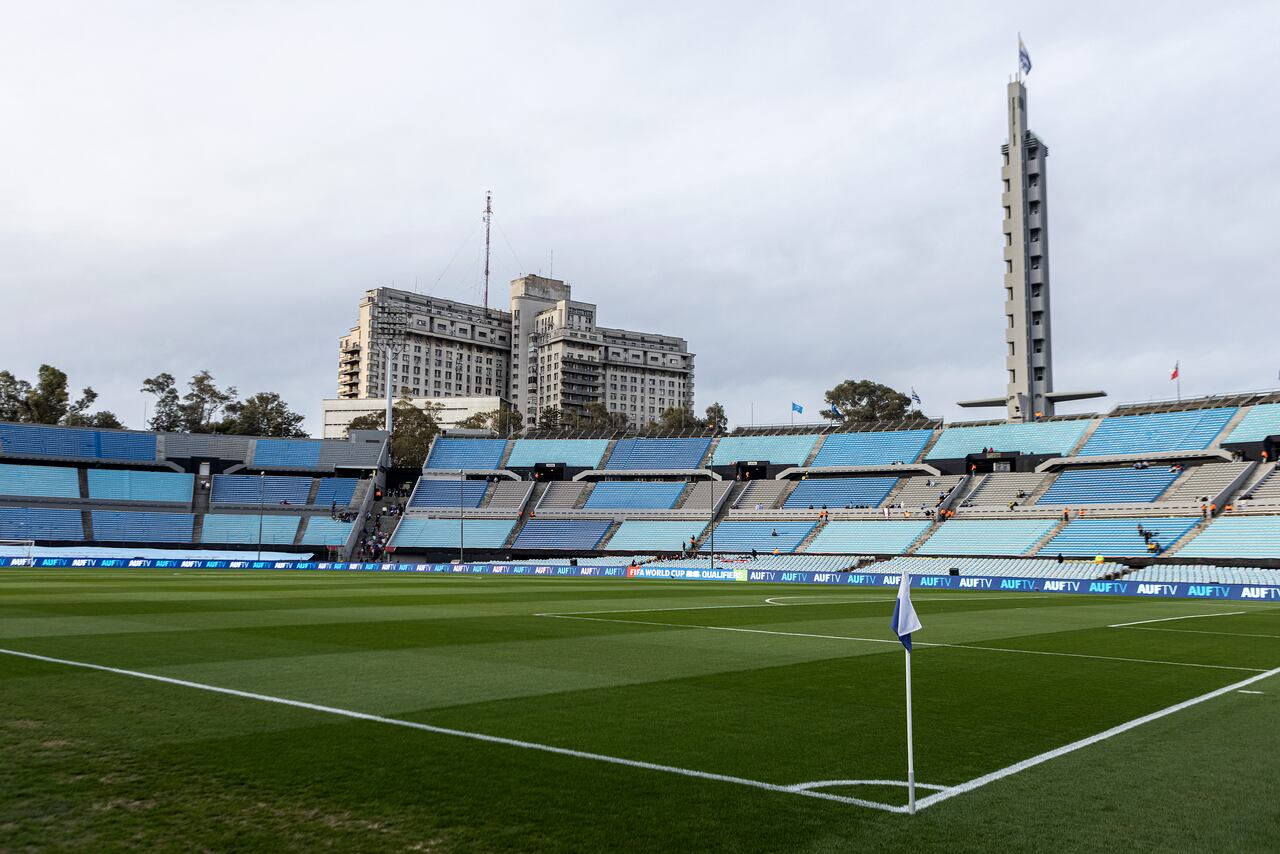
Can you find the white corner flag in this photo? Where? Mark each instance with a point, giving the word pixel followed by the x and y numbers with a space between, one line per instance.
pixel 904 623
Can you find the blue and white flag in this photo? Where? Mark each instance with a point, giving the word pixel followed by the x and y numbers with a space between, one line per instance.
pixel 1024 58
pixel 795 407
pixel 915 397
pixel 905 620
pixel 835 410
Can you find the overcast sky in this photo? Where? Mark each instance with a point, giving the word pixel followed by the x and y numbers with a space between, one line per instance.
pixel 807 193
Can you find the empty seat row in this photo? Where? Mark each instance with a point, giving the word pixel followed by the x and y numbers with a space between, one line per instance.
pixel 142 527
pixel 642 536
pixel 658 454
pixel 40 523
pixel 40 481
pixel 287 453
pixel 122 485
pixel 229 528
pixel 1154 432
pixel 1237 536
pixel 468 454
pixel 835 492
pixel 339 490
pixel 1115 537
pixel 870 537
pixel 451 533
pixel 634 495
pixel 872 449
pixel 76 442
pixel 999 488
pixel 986 536
pixel 562 534
pixel 1108 486
pixel 508 494
pixel 778 450
pixel 573 453
pixel 766 536
pixel 447 492
pixel 1037 437
pixel 324 531
pixel 254 489
pixel 1258 423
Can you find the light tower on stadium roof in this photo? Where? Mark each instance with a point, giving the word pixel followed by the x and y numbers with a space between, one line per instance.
pixel 1028 339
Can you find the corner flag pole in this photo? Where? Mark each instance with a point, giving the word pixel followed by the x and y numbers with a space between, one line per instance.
pixel 911 753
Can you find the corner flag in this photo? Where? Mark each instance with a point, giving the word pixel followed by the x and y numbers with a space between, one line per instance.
pixel 905 620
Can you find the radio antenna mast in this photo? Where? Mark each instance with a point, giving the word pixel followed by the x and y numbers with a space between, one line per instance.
pixel 488 219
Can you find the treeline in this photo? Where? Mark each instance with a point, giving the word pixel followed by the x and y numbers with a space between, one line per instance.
pixel 203 408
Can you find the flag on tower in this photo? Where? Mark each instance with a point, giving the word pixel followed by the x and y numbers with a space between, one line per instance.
pixel 915 397
pixel 1024 58
pixel 795 407
pixel 835 410
pixel 905 620
pixel 1173 375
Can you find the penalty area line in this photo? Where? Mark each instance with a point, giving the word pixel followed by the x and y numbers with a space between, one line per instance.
pixel 459 733
pixel 1183 617
pixel 1007 771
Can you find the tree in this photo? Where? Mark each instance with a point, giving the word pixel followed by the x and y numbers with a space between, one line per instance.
pixel 598 417
pixel 194 412
pixel 716 420
pixel 677 417
pixel 551 418
pixel 504 422
pixel 412 430
pixel 864 400
pixel 263 414
pixel 48 401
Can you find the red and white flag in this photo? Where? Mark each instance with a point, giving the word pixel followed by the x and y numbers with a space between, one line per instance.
pixel 1173 375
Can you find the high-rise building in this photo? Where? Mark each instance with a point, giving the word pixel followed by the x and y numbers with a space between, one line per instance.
pixel 1028 339
pixel 547 352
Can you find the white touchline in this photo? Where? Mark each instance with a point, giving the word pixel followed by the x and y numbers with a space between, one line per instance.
pixel 1248 692
pixel 459 733
pixel 1198 632
pixel 978 782
pixel 1184 617
pixel 964 597
pixel 894 642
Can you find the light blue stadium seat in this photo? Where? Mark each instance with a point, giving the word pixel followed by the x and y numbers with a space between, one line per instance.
pixel 254 489
pixel 277 530
pixel 1157 431
pixel 642 536
pixel 778 450
pixel 574 453
pixel 416 533
pixel 1109 486
pixel 339 489
pixel 836 492
pixel 39 481
pixel 469 454
pixel 1114 537
pixel 872 449
pixel 634 495
pixel 140 527
pixel 1237 536
pixel 120 485
pixel 743 536
pixel 40 524
pixel 323 531
pixel 891 536
pixel 986 536
pixel 287 453
pixel 447 492
pixel 563 534
pixel 47 441
pixel 1037 437
pixel 1258 423
pixel 657 454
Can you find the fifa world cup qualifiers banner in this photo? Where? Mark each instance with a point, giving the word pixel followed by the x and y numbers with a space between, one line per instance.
pixel 1120 587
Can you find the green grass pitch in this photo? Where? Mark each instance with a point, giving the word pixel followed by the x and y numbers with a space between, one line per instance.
pixel 442 713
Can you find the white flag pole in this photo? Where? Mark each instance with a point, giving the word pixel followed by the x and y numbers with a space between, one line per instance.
pixel 911 753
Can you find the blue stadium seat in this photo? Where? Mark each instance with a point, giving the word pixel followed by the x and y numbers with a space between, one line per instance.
pixel 277 530
pixel 1040 437
pixel 634 495
pixel 323 531
pixel 1237 536
pixel 123 485
pixel 39 481
pixel 1194 430
pixel 986 536
pixel 1114 537
pixel 1109 486
pixel 287 453
pixel 574 453
pixel 339 489
pixel 779 450
pixel 1258 423
pixel 45 441
pixel 872 449
pixel 254 489
pixel 469 454
pixel 563 534
pixel 643 537
pixel 447 492
pixel 836 492
pixel 743 536
pixel 41 524
pixel 891 536
pixel 136 527
pixel 444 533
pixel 658 454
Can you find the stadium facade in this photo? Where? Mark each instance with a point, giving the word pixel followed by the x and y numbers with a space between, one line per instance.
pixel 547 351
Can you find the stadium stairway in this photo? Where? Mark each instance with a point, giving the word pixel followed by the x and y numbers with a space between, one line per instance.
pixel 924 535
pixel 86 519
pixel 82 475
pixel 803 545
pixel 814 451
pixel 1038 493
pixel 928 446
pixel 506 455
pixel 608 534
pixel 1240 415
pixel 197 528
pixel 311 494
pixel 1190 535
pixel 1048 537
pixel 892 498
pixel 1085 437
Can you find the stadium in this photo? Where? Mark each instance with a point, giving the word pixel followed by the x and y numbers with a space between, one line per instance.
pixel 575 637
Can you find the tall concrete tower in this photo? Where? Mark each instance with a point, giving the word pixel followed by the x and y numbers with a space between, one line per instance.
pixel 1026 265
pixel 1029 393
